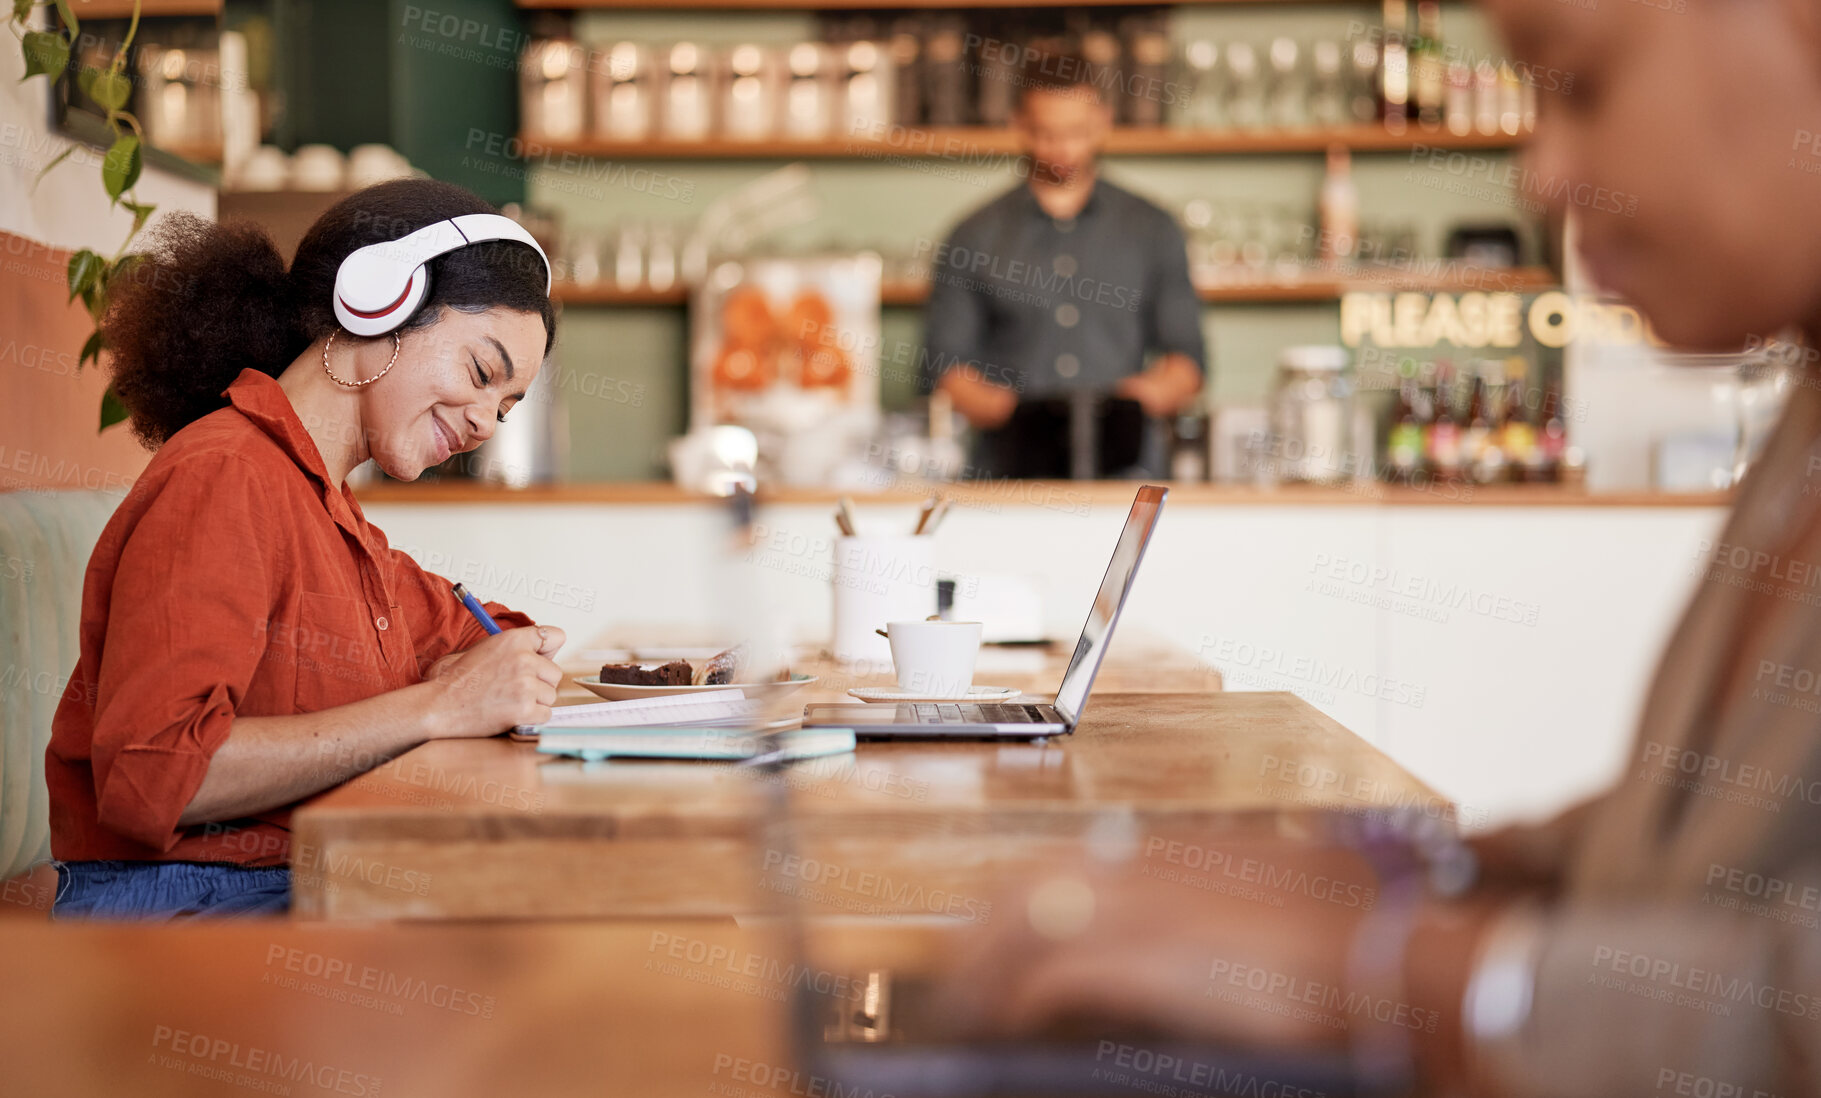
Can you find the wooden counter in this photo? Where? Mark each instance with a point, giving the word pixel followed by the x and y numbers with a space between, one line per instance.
pixel 491 829
pixel 1052 494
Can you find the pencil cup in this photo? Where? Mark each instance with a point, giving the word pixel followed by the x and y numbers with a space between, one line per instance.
pixel 879 580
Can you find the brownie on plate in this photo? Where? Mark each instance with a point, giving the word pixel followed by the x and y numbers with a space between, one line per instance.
pixel 674 673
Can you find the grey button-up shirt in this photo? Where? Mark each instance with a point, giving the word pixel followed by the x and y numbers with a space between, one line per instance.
pixel 1051 307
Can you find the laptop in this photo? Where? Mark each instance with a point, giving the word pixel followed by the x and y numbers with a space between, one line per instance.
pixel 1019 720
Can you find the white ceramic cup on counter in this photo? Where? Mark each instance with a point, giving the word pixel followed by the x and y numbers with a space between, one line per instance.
pixel 879 578
pixel 934 659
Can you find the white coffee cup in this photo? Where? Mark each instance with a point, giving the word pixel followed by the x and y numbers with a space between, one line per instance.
pixel 934 659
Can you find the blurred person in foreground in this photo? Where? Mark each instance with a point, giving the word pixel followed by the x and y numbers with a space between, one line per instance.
pixel 1663 937
pixel 1065 290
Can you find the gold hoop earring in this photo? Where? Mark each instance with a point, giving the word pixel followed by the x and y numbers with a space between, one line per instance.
pixel 356 384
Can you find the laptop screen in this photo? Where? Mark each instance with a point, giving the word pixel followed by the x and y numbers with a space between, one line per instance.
pixel 1117 584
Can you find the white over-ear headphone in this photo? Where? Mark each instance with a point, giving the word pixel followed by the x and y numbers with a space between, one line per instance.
pixel 380 286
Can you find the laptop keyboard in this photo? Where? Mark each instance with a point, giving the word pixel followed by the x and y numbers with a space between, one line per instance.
pixel 943 713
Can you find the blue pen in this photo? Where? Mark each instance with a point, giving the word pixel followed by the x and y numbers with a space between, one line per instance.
pixel 474 607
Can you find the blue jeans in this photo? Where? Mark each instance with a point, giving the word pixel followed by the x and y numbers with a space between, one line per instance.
pixel 156 891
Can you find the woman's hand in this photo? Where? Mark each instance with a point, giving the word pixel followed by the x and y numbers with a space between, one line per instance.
pixel 550 642
pixel 506 680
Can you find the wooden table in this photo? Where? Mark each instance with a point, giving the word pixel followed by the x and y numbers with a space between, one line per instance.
pixel 490 829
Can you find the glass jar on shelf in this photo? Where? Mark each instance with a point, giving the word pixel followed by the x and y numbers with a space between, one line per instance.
pixel 1311 415
pixel 583 255
pixel 1287 90
pixel 1362 80
pixel 1201 77
pixel 1327 104
pixel 552 90
pixel 686 111
pixel 749 100
pixel 1244 99
pixel 629 256
pixel 624 93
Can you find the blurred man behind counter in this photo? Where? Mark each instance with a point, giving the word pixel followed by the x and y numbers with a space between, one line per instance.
pixel 1046 303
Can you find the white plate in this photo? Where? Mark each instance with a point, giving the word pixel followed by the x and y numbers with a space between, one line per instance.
pixel 892 695
pixel 613 691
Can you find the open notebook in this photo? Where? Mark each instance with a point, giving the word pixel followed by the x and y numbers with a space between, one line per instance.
pixel 712 709
pixel 724 725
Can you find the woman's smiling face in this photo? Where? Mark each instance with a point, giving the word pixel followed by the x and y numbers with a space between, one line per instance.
pixel 455 380
pixel 1672 129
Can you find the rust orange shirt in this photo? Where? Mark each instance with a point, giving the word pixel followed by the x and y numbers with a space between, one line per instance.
pixel 233 580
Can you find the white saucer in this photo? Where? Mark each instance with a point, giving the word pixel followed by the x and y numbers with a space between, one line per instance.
pixel 892 695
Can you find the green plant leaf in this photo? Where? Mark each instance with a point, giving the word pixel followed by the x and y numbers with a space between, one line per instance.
pixel 112 411
pixel 140 214
pixel 55 160
pixel 85 268
pixel 45 54
pixel 120 167
pixel 92 349
pixel 22 10
pixel 110 89
pixel 123 265
pixel 95 302
pixel 85 78
pixel 69 18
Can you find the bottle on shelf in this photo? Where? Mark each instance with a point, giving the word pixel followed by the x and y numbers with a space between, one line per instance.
pixel 1552 440
pixel 1394 67
pixel 907 72
pixel 1149 51
pixel 1442 437
pixel 1517 437
pixel 945 75
pixel 1339 209
pixel 1404 442
pixel 1511 100
pixel 1428 67
pixel 1458 106
pixel 1486 98
pixel 1478 451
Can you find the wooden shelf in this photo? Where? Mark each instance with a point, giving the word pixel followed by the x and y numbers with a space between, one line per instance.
pixel 1316 287
pixel 988 149
pixel 123 9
